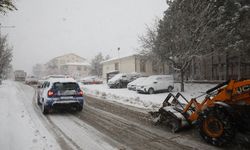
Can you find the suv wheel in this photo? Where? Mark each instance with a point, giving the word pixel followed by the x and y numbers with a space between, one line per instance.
pixel 119 85
pixel 79 108
pixel 44 109
pixel 38 101
pixel 151 91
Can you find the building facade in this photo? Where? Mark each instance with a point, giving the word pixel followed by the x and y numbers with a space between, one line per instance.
pixel 219 67
pixel 134 63
pixel 69 64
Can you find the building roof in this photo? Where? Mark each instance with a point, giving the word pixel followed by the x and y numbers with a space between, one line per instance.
pixel 58 57
pixel 118 58
pixel 77 64
pixel 67 55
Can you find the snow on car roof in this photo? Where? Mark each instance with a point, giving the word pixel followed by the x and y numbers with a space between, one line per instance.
pixel 62 80
pixel 161 75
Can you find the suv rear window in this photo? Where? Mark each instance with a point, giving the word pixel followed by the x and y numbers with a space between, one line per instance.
pixel 65 86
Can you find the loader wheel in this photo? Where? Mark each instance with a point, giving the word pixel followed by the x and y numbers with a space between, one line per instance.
pixel 216 126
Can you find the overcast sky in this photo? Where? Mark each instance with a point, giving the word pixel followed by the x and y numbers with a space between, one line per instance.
pixel 48 28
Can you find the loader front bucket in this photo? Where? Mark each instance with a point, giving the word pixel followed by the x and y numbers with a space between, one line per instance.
pixel 171 112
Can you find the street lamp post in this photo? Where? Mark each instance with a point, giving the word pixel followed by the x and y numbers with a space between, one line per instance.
pixel 120 67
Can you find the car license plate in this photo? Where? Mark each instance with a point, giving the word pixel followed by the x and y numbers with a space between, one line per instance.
pixel 66 97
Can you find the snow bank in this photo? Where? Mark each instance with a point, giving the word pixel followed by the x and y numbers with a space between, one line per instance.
pixel 145 101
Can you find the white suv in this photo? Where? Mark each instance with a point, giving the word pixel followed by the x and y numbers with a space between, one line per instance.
pixel 156 83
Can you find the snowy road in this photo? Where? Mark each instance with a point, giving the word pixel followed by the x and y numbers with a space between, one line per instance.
pixel 23 126
pixel 100 126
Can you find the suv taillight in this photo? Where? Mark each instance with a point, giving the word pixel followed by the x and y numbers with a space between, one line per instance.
pixel 50 93
pixel 80 93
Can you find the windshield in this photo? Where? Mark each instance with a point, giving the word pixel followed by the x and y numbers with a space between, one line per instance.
pixel 136 81
pixel 65 86
pixel 116 77
pixel 150 79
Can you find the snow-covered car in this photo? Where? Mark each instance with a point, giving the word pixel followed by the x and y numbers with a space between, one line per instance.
pixel 31 80
pixel 132 85
pixel 121 80
pixel 156 83
pixel 55 76
pixel 60 93
pixel 91 80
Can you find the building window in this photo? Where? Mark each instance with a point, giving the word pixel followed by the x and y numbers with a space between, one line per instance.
pixel 79 68
pixel 65 67
pixel 116 66
pixel 142 66
pixel 85 68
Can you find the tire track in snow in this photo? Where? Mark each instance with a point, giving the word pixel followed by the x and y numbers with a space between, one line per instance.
pixel 64 145
pixel 26 94
pixel 55 127
pixel 142 119
pixel 124 131
pixel 59 125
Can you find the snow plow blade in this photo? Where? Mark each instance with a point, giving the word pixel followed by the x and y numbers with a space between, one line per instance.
pixel 171 113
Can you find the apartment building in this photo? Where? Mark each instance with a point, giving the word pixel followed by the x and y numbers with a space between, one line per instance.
pixel 69 64
pixel 134 63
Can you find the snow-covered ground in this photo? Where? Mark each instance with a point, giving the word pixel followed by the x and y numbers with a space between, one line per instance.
pixel 24 127
pixel 145 101
pixel 18 130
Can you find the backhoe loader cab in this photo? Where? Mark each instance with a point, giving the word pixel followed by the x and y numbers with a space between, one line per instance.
pixel 225 110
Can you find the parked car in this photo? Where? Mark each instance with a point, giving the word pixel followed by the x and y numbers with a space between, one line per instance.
pixel 31 80
pixel 55 76
pixel 132 85
pixel 60 93
pixel 91 80
pixel 156 83
pixel 121 80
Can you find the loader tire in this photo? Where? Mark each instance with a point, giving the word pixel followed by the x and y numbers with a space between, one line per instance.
pixel 216 126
